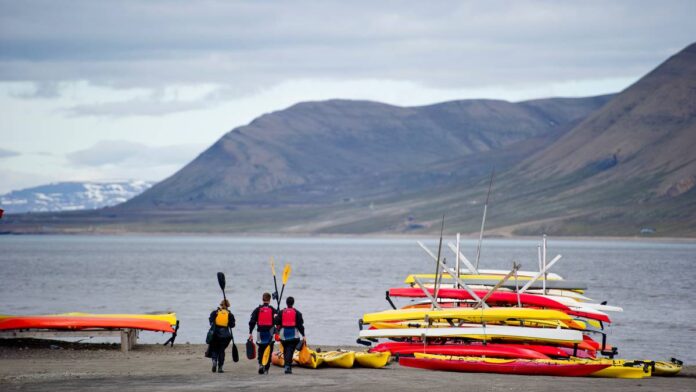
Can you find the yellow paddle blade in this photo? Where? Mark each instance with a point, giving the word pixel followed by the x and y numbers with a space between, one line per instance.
pixel 272 266
pixel 286 273
pixel 266 355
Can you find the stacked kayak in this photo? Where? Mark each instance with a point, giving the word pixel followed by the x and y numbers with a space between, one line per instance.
pixel 86 321
pixel 497 365
pixel 495 321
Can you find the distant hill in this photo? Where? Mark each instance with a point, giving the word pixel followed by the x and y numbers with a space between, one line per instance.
pixel 71 196
pixel 323 152
pixel 630 165
pixel 621 165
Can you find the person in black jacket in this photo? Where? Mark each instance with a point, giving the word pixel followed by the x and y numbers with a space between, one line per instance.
pixel 291 326
pixel 222 320
pixel 263 317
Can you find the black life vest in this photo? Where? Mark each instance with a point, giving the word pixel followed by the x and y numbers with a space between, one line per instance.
pixel 288 319
pixel 265 316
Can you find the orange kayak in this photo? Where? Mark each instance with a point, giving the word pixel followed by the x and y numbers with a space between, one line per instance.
pixel 77 323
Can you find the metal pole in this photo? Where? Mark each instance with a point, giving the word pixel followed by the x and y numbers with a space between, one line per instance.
pixel 426 292
pixel 544 259
pixel 463 259
pixel 535 277
pixel 513 271
pixel 483 221
pixel 456 267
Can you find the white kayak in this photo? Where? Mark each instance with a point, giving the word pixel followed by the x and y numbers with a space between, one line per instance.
pixel 476 331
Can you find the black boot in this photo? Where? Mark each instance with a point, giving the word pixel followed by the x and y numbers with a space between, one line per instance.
pixel 214 365
pixel 262 369
pixel 288 370
pixel 220 369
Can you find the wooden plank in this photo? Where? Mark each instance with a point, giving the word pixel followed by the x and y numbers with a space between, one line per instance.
pixel 129 337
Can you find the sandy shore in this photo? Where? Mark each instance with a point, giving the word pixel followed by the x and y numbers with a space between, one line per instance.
pixel 29 366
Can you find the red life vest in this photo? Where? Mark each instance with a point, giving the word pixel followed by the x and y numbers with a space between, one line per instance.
pixel 265 316
pixel 288 319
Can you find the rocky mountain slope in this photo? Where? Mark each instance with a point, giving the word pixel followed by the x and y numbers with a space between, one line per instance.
pixel 323 152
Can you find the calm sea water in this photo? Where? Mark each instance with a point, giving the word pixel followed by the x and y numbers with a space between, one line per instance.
pixel 334 280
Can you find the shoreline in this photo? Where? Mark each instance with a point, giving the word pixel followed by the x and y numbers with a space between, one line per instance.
pixel 57 366
pixel 374 236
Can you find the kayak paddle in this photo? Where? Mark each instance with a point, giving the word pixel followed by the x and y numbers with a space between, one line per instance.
pixel 221 282
pixel 275 282
pixel 286 275
pixel 266 355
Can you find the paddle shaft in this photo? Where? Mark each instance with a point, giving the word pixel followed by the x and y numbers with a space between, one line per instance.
pixel 275 283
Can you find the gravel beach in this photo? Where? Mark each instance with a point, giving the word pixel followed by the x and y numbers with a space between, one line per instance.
pixel 58 366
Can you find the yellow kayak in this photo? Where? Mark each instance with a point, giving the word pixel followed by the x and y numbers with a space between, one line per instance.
pixel 573 324
pixel 372 360
pixel 466 314
pixel 410 278
pixel 313 362
pixel 168 317
pixel 340 359
pixel 619 368
pixel 667 369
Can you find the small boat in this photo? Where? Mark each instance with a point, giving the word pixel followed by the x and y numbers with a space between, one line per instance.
pixel 468 314
pixel 478 350
pixel 373 360
pixel 168 317
pixel 340 359
pixel 83 322
pixel 528 334
pixel 504 366
pixel 667 369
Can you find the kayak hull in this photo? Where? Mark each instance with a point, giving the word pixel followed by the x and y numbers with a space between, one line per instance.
pixel 82 322
pixel 519 367
pixel 375 360
pixel 488 350
pixel 338 359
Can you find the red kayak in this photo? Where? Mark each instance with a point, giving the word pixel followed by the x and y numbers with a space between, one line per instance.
pixel 498 297
pixel 76 323
pixel 520 366
pixel 489 350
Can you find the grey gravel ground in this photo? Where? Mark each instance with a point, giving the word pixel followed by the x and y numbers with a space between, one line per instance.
pixel 70 367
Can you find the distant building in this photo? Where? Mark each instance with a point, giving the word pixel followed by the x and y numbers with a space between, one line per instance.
pixel 647 230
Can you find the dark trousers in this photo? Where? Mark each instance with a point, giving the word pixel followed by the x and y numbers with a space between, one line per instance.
pixel 262 349
pixel 289 347
pixel 217 350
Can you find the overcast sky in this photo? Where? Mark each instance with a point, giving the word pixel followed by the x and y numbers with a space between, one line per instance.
pixel 99 90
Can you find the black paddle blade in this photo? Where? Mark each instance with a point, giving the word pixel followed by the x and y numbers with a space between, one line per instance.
pixel 250 349
pixel 221 280
pixel 235 353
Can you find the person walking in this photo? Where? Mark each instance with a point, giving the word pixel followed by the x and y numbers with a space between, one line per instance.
pixel 262 318
pixel 221 322
pixel 291 325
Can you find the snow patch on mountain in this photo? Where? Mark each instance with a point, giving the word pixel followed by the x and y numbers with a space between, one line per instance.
pixel 72 196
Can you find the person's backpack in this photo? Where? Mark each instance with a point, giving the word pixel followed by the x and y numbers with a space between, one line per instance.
pixel 222 318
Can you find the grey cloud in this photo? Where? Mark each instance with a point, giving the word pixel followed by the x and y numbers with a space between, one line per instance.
pixel 8 153
pixel 137 107
pixel 251 45
pixel 129 154
pixel 42 90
